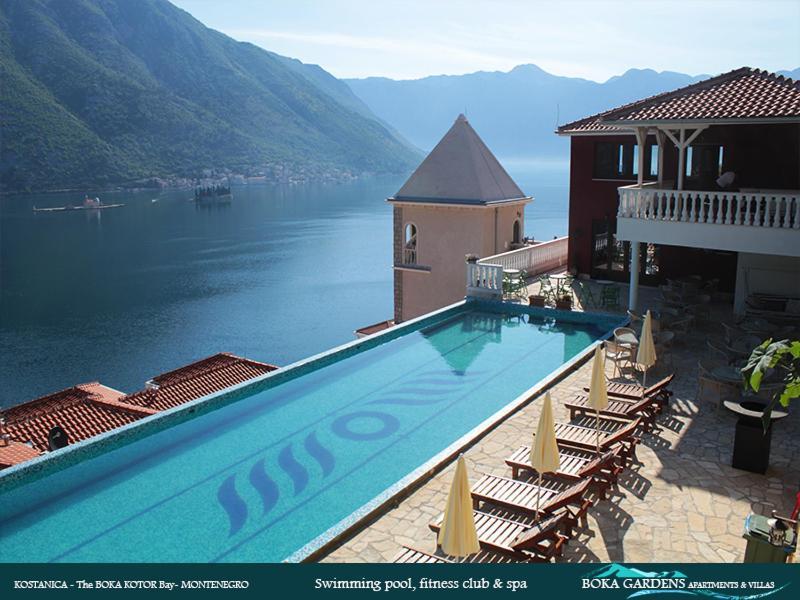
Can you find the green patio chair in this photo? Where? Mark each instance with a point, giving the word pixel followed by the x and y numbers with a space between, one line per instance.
pixel 609 297
pixel 547 290
pixel 520 285
pixel 565 285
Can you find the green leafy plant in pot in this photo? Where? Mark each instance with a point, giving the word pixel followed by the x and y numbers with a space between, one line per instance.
pixel 781 358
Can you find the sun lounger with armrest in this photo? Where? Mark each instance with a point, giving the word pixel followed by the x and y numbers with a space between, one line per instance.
pixel 521 496
pixel 647 408
pixel 409 555
pixel 634 391
pixel 540 542
pixel 412 555
pixel 582 434
pixel 576 464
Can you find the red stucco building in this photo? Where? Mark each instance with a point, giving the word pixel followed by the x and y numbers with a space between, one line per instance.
pixel 646 199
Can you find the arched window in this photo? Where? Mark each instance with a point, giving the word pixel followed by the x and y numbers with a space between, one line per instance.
pixel 516 238
pixel 410 245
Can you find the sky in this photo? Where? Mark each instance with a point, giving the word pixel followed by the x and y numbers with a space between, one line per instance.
pixel 593 39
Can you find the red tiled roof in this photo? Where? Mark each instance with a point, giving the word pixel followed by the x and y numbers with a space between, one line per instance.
pixel 90 409
pixel 741 94
pixel 83 411
pixel 196 380
pixel 15 452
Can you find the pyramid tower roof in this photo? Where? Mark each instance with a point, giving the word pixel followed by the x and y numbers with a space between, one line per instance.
pixel 460 170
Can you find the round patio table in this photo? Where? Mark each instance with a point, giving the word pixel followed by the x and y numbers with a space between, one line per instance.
pixel 751 442
pixel 727 373
pixel 629 341
pixel 626 338
pixel 753 409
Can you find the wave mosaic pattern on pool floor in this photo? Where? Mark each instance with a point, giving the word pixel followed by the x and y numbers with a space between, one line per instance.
pixel 261 477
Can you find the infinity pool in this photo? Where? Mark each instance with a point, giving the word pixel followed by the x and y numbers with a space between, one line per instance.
pixel 258 478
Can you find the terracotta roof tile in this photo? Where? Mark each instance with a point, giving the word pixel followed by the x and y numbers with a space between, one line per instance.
pixel 741 94
pixel 83 411
pixel 196 380
pixel 90 409
pixel 13 453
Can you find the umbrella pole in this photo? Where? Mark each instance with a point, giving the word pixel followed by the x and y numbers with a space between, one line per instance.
pixel 597 428
pixel 538 495
pixel 644 379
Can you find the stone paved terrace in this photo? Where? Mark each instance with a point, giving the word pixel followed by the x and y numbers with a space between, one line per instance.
pixel 682 503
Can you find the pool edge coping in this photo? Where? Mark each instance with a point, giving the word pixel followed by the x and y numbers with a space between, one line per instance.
pixel 381 504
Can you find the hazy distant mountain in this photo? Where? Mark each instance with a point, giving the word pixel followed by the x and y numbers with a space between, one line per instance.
pixel 515 112
pixel 795 74
pixel 106 91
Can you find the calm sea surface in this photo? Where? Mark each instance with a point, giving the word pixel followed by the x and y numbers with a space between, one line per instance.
pixel 281 273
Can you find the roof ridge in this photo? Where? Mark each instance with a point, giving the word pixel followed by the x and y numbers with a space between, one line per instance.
pixel 692 87
pixel 660 96
pixel 68 396
pixel 189 371
pixel 120 404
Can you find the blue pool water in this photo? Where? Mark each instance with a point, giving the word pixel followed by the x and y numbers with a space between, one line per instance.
pixel 257 479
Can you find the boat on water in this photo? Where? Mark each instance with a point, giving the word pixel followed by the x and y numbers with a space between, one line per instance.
pixel 218 194
pixel 88 204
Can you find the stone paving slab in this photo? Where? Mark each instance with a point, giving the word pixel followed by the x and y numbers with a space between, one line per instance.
pixel 683 502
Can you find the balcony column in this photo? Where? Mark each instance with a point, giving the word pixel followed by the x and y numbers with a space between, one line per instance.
pixel 660 139
pixel 681 158
pixel 641 138
pixel 633 292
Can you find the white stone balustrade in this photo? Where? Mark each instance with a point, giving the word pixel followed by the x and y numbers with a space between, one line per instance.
pixel 535 259
pixel 755 221
pixel 776 210
pixel 484 281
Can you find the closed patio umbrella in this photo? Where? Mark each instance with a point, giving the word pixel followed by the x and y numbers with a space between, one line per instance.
pixel 544 451
pixel 646 355
pixel 457 536
pixel 598 393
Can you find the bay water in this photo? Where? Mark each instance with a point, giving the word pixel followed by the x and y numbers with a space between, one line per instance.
pixel 279 274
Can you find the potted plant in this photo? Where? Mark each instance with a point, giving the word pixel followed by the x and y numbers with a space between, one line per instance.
pixel 564 302
pixel 536 300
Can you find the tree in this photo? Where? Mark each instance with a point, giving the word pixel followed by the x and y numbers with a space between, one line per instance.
pixel 782 358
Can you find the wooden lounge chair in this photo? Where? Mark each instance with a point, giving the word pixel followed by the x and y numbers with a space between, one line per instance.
pixel 634 391
pixel 647 408
pixel 540 542
pixel 581 434
pixel 521 496
pixel 576 464
pixel 412 555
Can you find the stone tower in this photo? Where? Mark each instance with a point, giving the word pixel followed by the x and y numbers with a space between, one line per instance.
pixel 459 201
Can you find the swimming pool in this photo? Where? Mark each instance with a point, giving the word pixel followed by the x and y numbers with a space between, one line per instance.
pixel 291 456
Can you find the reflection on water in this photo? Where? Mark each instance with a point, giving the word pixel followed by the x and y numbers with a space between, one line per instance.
pixel 281 273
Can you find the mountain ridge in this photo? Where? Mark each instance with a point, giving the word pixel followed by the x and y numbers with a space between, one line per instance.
pixel 515 111
pixel 103 92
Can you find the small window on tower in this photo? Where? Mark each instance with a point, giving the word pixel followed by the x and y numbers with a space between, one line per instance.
pixel 410 246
